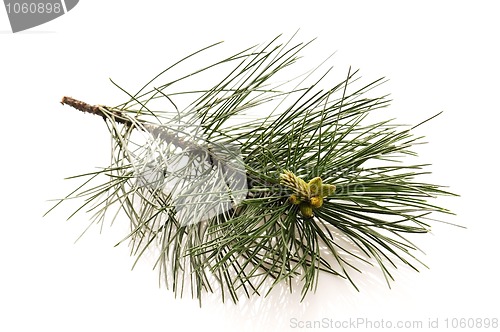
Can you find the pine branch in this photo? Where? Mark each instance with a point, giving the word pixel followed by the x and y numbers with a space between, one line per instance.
pixel 228 205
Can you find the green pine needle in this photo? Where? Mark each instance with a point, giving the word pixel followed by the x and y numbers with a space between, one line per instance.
pixel 200 182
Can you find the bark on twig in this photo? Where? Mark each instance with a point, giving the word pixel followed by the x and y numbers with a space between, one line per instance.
pixel 118 117
pixel 94 109
pixel 159 131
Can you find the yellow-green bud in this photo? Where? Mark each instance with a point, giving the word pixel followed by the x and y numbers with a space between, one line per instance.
pixel 306 195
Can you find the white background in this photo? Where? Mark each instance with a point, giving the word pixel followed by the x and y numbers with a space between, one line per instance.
pixel 439 56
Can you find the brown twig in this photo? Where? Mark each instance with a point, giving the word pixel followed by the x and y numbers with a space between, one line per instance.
pixel 96 110
pixel 158 131
pixel 118 117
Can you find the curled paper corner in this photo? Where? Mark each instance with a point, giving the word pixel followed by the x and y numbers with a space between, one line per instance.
pixel 23 16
